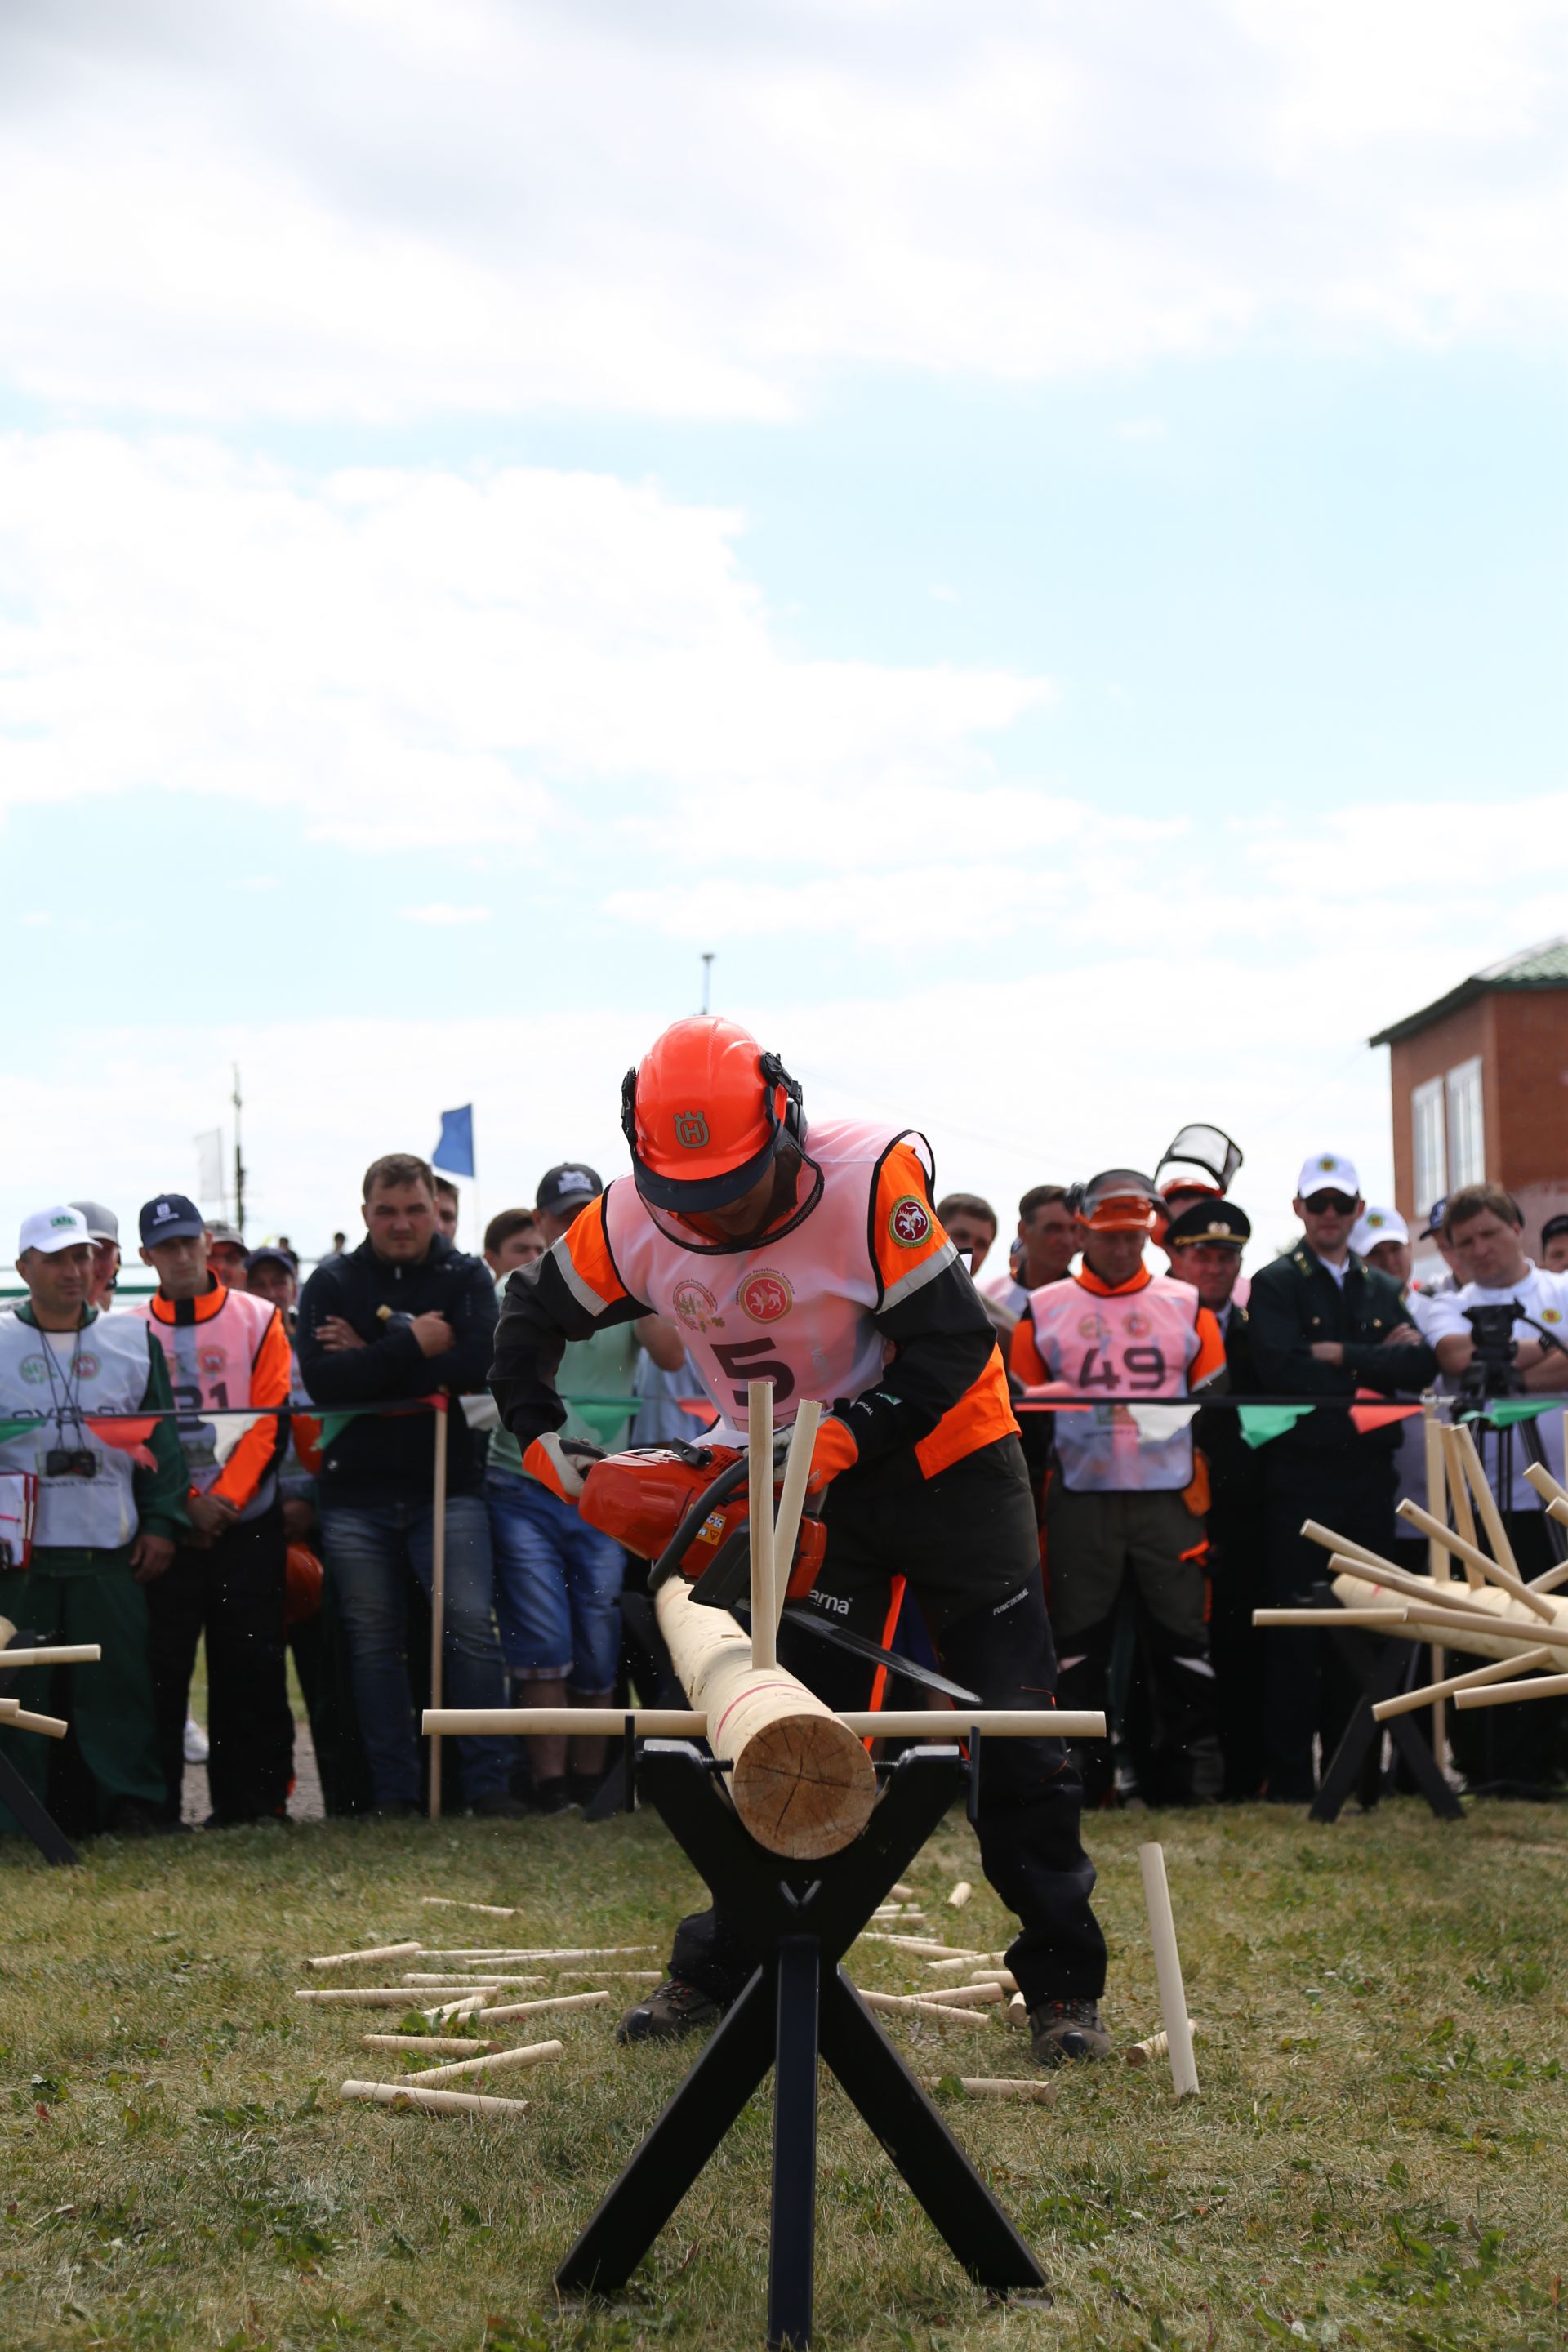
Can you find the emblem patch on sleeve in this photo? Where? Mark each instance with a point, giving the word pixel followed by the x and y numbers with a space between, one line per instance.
pixel 909 1222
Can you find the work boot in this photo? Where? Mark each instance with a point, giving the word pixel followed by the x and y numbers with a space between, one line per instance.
pixel 497 1805
pixel 674 2010
pixel 1061 2029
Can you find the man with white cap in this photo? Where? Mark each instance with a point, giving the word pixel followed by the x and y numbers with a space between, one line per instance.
pixel 1325 1324
pixel 1382 1238
pixel 103 1227
pixel 110 1488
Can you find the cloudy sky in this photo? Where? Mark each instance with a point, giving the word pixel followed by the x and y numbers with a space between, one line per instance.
pixel 1036 533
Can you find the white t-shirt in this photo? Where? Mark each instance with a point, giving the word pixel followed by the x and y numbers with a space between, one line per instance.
pixel 1544 1296
pixel 1006 1293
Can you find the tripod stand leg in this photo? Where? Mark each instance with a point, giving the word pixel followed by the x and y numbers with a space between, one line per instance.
pixel 676 2149
pixel 904 2119
pixel 33 1817
pixel 791 2249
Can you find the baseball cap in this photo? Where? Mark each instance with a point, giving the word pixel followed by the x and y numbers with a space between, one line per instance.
pixel 1434 1216
pixel 1552 1228
pixel 220 1231
pixel 1209 1220
pixel 50 1230
pixel 102 1225
pixel 169 1218
pixel 1378 1226
pixel 1328 1172
pixel 271 1253
pixel 567 1188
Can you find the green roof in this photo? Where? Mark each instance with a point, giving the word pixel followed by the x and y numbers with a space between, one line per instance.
pixel 1546 966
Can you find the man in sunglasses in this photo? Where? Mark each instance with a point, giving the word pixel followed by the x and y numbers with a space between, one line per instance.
pixel 1325 1326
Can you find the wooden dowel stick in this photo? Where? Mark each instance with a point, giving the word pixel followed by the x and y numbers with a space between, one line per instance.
pixel 1459 1501
pixel 1438 1566
pixel 455 1902
pixel 939 1724
pixel 918 1945
pixel 1493 1571
pixel 1143 2054
pixel 1486 1501
pixel 1522 1629
pixel 994 2086
pixel 760 1524
pixel 52 1654
pixel 900 1891
pixel 969 1996
pixel 51 1726
pixel 1315 1532
pixel 363 1997
pixel 438 1598
pixel 1399 1580
pixel 372 1952
pixel 454 1981
pixel 792 1496
pixel 446 2011
pixel 941 1728
pixel 1168 1970
pixel 440 2102
pixel 1407 1702
pixel 907 2005
pixel 960 1896
pixel 1391 1615
pixel 434 2045
pixel 1551 1578
pixel 1544 1484
pixel 532 2008
pixel 1505 1693
pixel 533 2054
pixel 591 1722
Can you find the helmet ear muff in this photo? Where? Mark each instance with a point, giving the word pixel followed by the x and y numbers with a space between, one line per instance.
pixel 784 1098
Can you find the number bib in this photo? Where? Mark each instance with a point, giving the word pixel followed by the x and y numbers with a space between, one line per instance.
pixel 1133 1345
pixel 795 1310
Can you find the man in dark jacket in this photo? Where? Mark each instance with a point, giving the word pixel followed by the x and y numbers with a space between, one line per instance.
pixel 1323 1324
pixel 401 1316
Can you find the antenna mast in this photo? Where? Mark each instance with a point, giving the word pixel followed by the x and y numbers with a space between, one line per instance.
pixel 708 954
pixel 239 1160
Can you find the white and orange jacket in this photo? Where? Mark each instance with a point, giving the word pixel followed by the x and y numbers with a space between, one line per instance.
pixel 855 1297
pixel 1147 1341
pixel 226 1350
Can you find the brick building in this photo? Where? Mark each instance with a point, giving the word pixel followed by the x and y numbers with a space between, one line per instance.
pixel 1479 1083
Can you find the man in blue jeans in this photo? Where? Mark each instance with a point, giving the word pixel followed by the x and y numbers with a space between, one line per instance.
pixel 401 1316
pixel 558 1581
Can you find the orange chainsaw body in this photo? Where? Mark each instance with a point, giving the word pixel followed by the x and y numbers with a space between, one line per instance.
pixel 640 1498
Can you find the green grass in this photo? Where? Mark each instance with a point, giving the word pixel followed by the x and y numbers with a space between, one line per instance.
pixel 1377 2157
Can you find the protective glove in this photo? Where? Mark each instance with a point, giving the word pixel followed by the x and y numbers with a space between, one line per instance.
pixel 561 1463
pixel 834 1450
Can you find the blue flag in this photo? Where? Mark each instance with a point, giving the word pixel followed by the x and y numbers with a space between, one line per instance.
pixel 455 1152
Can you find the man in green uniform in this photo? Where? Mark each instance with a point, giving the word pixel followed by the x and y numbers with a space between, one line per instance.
pixel 106 1523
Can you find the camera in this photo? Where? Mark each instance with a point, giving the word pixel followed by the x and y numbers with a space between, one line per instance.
pixel 70 1462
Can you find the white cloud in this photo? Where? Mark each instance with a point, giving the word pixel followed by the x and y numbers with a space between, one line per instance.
pixel 326 209
pixel 445 916
pixel 398 654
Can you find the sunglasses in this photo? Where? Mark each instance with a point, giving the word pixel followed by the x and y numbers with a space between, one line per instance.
pixel 1320 1204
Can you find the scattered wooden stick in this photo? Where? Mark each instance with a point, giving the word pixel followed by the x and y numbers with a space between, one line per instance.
pixel 960 1896
pixel 1459 1501
pixel 1504 1693
pixel 1016 2013
pixel 621 1976
pixel 918 1946
pixel 546 1952
pixel 1486 1501
pixel 1407 1702
pixel 1494 1571
pixel 533 2008
pixel 905 1894
pixel 434 2045
pixel 593 1722
pixel 1524 1631
pixel 485 1980
pixel 370 1952
pixel 455 1902
pixel 363 1997
pixel 1168 1970
pixel 1399 1580
pixel 451 2009
pixel 993 2086
pixel 52 1654
pixel 440 2102
pixel 759 1525
pixel 531 2053
pixel 1143 2054
pixel 908 2005
pixel 1394 1614
pixel 51 1726
pixel 1315 1532
pixel 969 1996
pixel 957 1961
pixel 941 1730
pixel 455 1985
pixel 1545 1485
pixel 792 1496
pixel 1003 1977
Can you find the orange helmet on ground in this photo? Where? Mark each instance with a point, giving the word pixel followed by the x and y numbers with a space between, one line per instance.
pixel 1118 1201
pixel 703 1112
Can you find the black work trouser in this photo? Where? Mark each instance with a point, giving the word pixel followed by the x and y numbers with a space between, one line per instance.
pixel 1239 1585
pixel 234 1594
pixel 977 1515
pixel 1310 1688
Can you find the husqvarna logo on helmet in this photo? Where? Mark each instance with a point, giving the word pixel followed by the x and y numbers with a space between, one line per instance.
pixel 690 1129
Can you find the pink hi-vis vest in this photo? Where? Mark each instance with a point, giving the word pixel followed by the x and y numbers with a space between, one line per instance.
pixel 209 1369
pixel 1132 1347
pixel 796 1309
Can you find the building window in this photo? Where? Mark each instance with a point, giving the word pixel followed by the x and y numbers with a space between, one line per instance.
pixel 1431 1144
pixel 1467 1133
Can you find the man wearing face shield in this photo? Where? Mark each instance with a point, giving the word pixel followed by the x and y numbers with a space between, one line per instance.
pixel 811 1254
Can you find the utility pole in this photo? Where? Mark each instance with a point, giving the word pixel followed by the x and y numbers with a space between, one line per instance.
pixel 708 954
pixel 239 1160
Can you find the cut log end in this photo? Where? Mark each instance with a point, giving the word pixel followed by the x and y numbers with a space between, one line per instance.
pixel 803 1786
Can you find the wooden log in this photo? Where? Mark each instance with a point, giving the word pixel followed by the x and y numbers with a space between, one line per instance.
pixel 908 2005
pixel 532 2008
pixel 1038 2094
pixel 1402 1580
pixel 1505 1693
pixel 440 2102
pixel 1525 1630
pixel 1168 1970
pixel 50 1653
pixel 591 1722
pixel 800 1780
pixel 1487 1623
pixel 1407 1702
pixel 370 1952
pixel 960 1896
pixel 531 2053
pixel 760 1524
pixel 1494 1571
pixel 432 2045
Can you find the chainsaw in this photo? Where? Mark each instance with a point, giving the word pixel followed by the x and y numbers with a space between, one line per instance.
pixel 686 1508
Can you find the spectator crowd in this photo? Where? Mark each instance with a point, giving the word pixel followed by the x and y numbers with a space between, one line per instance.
pixel 240 1462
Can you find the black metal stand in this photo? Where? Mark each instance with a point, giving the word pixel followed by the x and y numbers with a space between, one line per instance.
pixel 33 1816
pixel 1380 1665
pixel 801 1917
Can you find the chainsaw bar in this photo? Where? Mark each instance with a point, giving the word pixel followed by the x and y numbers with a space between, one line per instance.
pixel 858 1646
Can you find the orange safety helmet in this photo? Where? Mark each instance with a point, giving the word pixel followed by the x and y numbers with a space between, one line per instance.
pixel 703 1112
pixel 1118 1201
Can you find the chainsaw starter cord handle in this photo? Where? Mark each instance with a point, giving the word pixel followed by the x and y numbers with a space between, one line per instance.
pixel 669 1558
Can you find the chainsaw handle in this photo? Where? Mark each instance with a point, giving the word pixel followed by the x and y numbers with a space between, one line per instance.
pixel 670 1558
